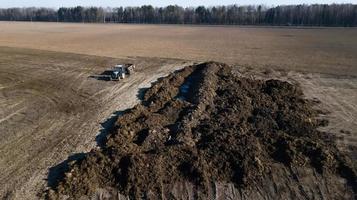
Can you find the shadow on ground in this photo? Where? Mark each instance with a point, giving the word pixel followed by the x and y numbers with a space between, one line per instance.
pixel 104 76
pixel 100 78
pixel 141 92
pixel 56 173
pixel 107 127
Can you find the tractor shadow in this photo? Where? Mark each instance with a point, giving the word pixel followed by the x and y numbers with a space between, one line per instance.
pixel 104 76
pixel 99 77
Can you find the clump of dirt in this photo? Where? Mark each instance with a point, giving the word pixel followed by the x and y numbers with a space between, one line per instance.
pixel 204 125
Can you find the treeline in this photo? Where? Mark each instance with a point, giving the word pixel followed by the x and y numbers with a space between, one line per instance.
pixel 300 15
pixel 28 14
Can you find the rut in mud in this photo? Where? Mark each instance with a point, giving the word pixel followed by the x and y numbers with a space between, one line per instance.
pixel 204 125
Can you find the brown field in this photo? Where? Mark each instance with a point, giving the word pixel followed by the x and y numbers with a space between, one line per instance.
pixel 330 50
pixel 50 109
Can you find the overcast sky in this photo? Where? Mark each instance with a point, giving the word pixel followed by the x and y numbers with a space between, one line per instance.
pixel 116 3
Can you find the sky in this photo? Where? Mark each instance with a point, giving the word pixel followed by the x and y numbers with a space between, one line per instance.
pixel 117 3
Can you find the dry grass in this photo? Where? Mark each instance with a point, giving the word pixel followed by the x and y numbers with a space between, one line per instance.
pixel 328 50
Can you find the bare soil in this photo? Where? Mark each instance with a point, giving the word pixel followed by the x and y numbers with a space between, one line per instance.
pixel 321 50
pixel 205 126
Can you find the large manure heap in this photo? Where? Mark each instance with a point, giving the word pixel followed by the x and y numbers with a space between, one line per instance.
pixel 206 133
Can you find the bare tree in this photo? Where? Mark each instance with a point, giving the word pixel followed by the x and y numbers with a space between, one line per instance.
pixel 299 15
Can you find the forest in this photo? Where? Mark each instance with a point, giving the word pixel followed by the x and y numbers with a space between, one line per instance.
pixel 288 15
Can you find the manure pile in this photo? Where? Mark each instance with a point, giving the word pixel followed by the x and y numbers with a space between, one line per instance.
pixel 205 133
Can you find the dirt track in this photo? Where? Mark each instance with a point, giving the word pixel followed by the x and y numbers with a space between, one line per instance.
pixel 50 109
